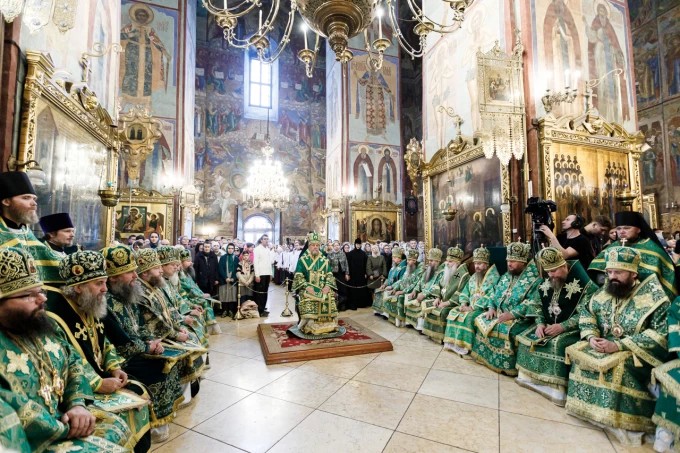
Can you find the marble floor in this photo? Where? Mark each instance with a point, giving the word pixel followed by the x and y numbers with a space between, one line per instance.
pixel 417 398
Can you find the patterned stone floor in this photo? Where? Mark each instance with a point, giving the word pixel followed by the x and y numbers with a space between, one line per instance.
pixel 417 398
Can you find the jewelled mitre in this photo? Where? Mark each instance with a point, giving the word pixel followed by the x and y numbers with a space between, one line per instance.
pixel 313 237
pixel 184 255
pixel 518 251
pixel 550 258
pixel 455 254
pixel 167 254
pixel 412 255
pixel 18 272
pixel 481 255
pixel 146 259
pixel 398 251
pixel 81 267
pixel 622 258
pixel 119 260
pixel 434 254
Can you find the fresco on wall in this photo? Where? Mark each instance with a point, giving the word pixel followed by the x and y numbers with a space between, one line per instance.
pixel 359 41
pixel 148 66
pixel 227 142
pixel 373 96
pixel 97 21
pixel 653 163
pixel 591 37
pixel 375 172
pixel 647 65
pixel 450 74
pixel 671 112
pixel 669 37
pixel 641 11
pixel 334 103
pixel 666 5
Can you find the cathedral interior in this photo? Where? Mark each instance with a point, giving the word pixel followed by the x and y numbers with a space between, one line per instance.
pixel 443 121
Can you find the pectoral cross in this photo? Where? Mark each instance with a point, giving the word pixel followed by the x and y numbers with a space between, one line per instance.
pixel 46 393
pixel 81 333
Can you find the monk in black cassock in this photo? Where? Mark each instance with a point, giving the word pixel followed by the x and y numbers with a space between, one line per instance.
pixel 357 293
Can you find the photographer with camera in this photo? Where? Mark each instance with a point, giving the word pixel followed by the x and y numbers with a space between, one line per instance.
pixel 571 243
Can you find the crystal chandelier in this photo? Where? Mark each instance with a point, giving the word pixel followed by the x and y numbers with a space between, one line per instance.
pixel 36 13
pixel 336 20
pixel 267 187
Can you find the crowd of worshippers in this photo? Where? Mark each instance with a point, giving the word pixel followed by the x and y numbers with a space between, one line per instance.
pixel 601 341
pixel 99 349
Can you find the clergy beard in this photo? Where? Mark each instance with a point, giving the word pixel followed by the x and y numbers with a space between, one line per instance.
pixel 620 289
pixel 315 253
pixel 448 273
pixel 92 304
pixel 191 272
pixel 128 294
pixel 557 283
pixel 515 272
pixel 156 281
pixel 27 217
pixel 410 268
pixel 33 325
pixel 429 273
pixel 174 279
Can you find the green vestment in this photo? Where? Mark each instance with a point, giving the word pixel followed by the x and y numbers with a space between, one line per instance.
pixel 667 411
pixel 392 277
pixel 653 260
pixel 612 389
pixel 393 304
pixel 542 359
pixel 190 291
pixel 460 325
pixel 495 341
pixel 40 413
pixel 183 308
pixel 414 308
pixel 46 259
pixel 159 376
pixel 317 307
pixel 435 318
pixel 157 321
pixel 89 337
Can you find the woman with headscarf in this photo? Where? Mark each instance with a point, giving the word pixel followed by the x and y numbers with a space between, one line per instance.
pixel 228 280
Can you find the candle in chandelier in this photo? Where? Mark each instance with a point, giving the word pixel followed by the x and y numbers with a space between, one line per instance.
pixel 304 32
pixel 380 13
pixel 530 189
pixel 260 20
pixel 566 77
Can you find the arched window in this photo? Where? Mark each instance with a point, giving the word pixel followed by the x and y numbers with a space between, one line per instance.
pixel 261 96
pixel 257 225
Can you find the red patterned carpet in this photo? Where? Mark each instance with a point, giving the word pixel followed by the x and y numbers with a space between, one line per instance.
pixel 278 346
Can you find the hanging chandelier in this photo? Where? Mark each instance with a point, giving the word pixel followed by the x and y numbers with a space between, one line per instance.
pixel 36 13
pixel 267 186
pixel 336 20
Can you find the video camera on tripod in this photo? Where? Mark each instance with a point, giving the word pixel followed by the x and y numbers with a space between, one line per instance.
pixel 541 214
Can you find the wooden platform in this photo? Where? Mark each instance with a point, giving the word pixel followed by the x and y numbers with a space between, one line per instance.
pixel 278 346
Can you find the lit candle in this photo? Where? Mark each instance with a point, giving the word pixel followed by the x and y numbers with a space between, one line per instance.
pixel 566 77
pixel 575 77
pixel 260 20
pixel 380 13
pixel 304 32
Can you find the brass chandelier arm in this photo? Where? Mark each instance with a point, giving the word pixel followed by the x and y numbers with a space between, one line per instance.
pixel 232 10
pixel 274 55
